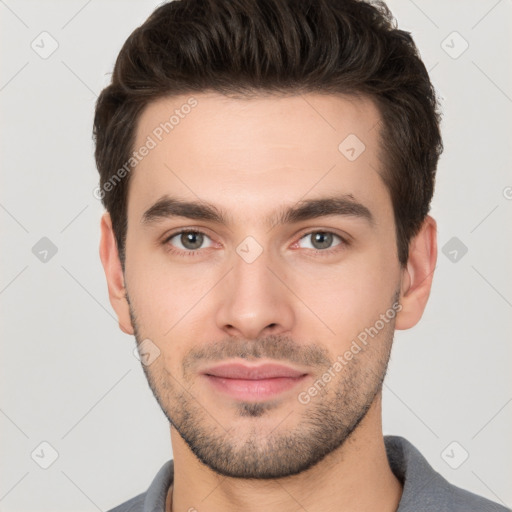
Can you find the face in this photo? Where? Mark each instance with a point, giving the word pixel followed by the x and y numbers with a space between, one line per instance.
pixel 262 274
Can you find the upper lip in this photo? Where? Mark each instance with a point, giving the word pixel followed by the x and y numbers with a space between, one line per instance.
pixel 262 371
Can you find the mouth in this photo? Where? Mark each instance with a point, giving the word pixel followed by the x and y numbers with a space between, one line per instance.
pixel 251 382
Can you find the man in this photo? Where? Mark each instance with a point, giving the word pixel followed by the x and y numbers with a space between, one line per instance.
pixel 267 169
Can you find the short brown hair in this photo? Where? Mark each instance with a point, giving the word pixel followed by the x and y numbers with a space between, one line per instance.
pixel 246 47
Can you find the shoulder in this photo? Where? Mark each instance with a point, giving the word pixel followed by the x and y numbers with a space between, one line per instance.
pixel 135 504
pixel 154 498
pixel 460 500
pixel 424 489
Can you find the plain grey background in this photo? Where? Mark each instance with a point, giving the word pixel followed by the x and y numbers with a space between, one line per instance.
pixel 69 377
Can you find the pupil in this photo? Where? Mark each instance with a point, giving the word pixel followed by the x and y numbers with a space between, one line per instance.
pixel 322 240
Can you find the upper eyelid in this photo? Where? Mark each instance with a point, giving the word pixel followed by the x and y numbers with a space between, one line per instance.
pixel 307 233
pixel 168 237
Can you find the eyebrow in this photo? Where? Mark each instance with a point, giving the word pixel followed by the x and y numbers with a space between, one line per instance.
pixel 345 205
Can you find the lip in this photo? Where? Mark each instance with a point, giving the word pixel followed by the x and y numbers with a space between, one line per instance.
pixel 253 383
pixel 247 372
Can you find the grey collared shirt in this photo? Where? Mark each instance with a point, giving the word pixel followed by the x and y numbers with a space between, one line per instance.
pixel 424 490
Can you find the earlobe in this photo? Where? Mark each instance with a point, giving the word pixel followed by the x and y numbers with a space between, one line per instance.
pixel 109 256
pixel 418 275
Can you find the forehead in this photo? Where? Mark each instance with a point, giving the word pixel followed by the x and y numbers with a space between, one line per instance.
pixel 255 152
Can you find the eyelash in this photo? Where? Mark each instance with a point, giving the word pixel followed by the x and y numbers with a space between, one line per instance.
pixel 326 252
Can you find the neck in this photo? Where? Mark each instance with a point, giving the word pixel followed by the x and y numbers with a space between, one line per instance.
pixel 355 477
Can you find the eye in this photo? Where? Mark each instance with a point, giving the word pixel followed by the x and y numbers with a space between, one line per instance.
pixel 188 240
pixel 321 240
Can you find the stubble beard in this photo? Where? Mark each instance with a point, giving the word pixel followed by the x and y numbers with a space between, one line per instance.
pixel 323 426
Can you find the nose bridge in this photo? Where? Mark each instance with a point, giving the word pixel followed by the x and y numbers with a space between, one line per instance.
pixel 251 268
pixel 253 298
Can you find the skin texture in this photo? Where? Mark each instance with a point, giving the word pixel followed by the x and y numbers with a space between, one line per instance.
pixel 299 303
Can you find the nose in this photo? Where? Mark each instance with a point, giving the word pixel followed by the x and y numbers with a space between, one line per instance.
pixel 253 300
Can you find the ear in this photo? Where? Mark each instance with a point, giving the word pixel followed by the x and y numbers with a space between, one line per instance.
pixel 114 273
pixel 417 275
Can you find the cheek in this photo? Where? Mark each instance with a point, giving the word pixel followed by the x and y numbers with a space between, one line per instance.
pixel 155 286
pixel 167 300
pixel 350 297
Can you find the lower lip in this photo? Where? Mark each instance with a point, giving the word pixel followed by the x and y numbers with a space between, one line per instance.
pixel 254 389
